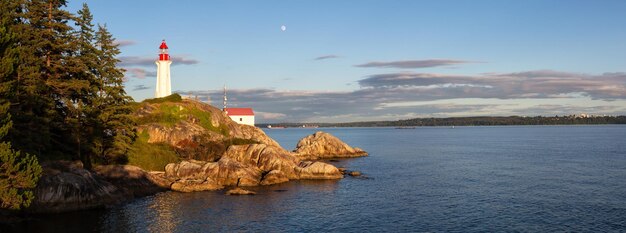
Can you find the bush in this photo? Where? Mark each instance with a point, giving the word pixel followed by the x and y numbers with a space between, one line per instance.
pixel 18 174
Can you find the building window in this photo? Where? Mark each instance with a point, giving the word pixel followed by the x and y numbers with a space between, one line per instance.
pixel 240 119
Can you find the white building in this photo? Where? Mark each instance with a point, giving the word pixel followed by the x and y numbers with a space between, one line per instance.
pixel 244 116
pixel 163 82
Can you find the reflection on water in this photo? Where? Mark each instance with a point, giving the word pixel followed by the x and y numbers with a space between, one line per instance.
pixel 179 212
pixel 161 212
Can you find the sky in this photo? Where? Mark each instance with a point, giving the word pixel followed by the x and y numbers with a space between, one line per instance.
pixel 344 61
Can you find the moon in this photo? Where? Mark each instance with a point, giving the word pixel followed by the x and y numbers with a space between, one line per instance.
pixel 283 28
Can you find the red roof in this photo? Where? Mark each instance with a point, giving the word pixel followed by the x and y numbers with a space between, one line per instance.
pixel 239 111
pixel 163 45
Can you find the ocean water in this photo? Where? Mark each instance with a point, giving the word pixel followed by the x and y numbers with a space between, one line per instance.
pixel 428 179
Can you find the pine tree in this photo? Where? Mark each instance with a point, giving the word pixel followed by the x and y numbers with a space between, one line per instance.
pixel 118 131
pixel 66 93
pixel 84 112
pixel 53 83
pixel 27 93
pixel 18 172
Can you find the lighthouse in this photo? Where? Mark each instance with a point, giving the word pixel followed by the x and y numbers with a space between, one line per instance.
pixel 163 83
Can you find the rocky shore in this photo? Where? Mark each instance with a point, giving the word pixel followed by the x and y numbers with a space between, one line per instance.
pixel 214 161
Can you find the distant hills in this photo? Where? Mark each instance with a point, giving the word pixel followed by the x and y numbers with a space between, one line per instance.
pixel 470 121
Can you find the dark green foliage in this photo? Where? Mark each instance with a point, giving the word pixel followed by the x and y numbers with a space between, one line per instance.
pixel 67 95
pixel 170 98
pixel 19 172
pixel 115 132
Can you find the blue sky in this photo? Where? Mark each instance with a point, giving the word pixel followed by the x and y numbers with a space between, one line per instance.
pixel 379 60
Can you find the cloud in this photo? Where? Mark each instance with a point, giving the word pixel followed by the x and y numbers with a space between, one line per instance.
pixel 182 60
pixel 269 115
pixel 129 61
pixel 140 87
pixel 122 43
pixel 326 57
pixel 139 73
pixel 404 95
pixel 530 84
pixel 410 64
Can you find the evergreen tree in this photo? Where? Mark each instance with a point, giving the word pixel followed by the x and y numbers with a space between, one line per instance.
pixel 18 172
pixel 53 83
pixel 117 126
pixel 44 80
pixel 28 89
pixel 83 111
pixel 66 93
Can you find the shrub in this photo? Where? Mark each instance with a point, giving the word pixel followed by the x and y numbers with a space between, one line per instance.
pixel 18 173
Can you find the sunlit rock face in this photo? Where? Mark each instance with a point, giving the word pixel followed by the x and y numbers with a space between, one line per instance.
pixel 248 165
pixel 321 145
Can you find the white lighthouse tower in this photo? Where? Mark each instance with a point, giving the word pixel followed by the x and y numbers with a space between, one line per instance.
pixel 163 85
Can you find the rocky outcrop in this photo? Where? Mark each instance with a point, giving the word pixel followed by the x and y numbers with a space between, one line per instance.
pixel 196 121
pixel 66 186
pixel 195 186
pixel 321 145
pixel 247 165
pixel 131 180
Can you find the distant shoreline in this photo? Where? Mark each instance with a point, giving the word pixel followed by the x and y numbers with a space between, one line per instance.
pixel 464 121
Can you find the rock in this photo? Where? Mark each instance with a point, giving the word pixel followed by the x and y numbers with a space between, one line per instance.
pixel 131 180
pixel 195 185
pixel 224 172
pixel 321 145
pixel 184 169
pixel 318 170
pixel 159 179
pixel 229 172
pixel 264 157
pixel 249 165
pixel 274 177
pixel 239 191
pixel 342 170
pixel 354 173
pixel 66 186
pixel 253 133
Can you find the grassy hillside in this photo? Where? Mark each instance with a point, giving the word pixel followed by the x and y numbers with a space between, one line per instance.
pixel 200 132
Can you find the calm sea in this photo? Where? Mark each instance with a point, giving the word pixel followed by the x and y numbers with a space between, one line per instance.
pixel 428 179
